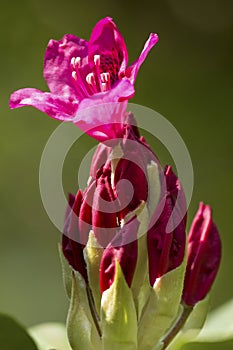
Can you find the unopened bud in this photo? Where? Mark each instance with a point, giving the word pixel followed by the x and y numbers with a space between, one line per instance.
pixel 204 255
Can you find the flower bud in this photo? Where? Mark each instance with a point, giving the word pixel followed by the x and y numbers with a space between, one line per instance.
pixel 132 167
pixel 85 215
pixel 100 157
pixel 125 238
pixel 204 255
pixel 166 249
pixel 104 211
pixel 72 249
pixel 124 253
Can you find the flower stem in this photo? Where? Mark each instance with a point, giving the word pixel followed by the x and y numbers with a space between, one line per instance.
pixel 93 310
pixel 177 326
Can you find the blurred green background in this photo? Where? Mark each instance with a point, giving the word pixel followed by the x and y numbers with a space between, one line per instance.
pixel 187 78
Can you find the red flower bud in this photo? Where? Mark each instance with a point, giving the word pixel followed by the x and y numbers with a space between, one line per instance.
pixel 166 249
pixel 100 157
pixel 72 249
pixel 125 254
pixel 104 211
pixel 133 167
pixel 204 255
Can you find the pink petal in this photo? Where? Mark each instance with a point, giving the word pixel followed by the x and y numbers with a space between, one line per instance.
pixel 102 115
pixel 53 105
pixel 108 42
pixel 133 69
pixel 57 71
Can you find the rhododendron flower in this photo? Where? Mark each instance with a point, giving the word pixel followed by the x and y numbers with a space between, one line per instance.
pixel 83 76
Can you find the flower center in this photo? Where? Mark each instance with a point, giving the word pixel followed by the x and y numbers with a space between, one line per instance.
pixel 91 83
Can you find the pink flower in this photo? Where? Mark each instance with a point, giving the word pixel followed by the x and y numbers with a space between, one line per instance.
pixel 204 255
pixel 84 75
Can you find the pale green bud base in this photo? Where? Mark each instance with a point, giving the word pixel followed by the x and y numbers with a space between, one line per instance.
pixel 130 318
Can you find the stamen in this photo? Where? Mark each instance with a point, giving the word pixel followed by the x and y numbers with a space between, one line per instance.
pixel 105 77
pixel 97 59
pixel 77 62
pixel 90 79
pixel 106 82
pixel 104 86
pixel 96 81
pixel 74 75
pixel 72 62
pixel 97 72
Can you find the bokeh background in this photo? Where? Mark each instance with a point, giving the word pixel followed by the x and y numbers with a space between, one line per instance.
pixel 187 78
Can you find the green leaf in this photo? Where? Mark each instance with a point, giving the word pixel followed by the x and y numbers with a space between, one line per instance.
pixel 161 309
pixel 219 325
pixel 13 336
pixel 192 326
pixel 118 315
pixel 50 336
pixel 197 318
pixel 81 327
pixel 66 272
pixel 92 254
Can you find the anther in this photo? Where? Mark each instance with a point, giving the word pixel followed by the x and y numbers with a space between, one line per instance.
pixel 72 62
pixel 105 77
pixel 90 79
pixel 104 86
pixel 74 75
pixel 75 62
pixel 78 62
pixel 97 59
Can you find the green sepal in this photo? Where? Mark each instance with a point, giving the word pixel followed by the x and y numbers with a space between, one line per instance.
pixel 162 308
pixel 13 336
pixel 66 272
pixel 81 327
pixel 140 284
pixel 140 279
pixel 92 255
pixel 50 336
pixel 118 315
pixel 154 187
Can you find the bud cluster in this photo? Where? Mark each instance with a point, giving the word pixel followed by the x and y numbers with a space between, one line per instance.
pixel 125 241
